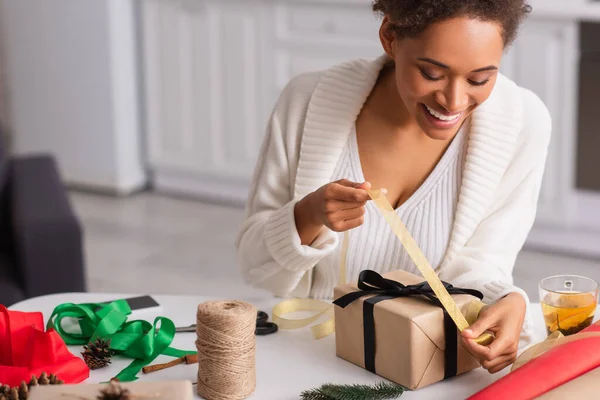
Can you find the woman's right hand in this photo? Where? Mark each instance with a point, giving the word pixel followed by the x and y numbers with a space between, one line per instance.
pixel 340 206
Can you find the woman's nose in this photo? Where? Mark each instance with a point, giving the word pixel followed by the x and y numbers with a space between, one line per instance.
pixel 454 98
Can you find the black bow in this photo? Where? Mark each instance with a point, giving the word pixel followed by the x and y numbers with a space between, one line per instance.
pixel 370 282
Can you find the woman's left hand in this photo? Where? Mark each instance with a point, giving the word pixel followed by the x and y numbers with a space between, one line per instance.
pixel 505 320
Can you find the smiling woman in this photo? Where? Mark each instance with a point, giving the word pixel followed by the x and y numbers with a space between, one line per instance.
pixel 459 148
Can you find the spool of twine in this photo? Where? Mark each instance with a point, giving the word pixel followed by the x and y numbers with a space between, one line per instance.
pixel 226 346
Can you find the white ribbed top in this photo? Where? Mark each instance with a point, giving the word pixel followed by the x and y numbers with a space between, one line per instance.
pixel 305 138
pixel 428 215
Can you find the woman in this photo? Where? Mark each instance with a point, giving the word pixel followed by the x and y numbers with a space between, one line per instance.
pixel 459 148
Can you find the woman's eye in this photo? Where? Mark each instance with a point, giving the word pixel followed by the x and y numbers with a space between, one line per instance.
pixel 428 76
pixel 479 83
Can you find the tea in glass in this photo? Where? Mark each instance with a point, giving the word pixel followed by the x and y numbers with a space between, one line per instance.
pixel 568 303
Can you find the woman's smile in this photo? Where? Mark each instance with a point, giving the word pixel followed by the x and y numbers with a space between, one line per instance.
pixel 442 120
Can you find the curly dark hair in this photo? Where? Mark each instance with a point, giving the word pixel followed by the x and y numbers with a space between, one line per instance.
pixel 409 18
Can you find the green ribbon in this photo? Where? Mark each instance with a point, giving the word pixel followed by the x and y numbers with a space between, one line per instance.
pixel 136 339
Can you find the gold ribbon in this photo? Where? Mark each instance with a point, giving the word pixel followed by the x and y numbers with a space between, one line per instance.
pixel 294 305
pixel 322 308
pixel 415 253
pixel 473 310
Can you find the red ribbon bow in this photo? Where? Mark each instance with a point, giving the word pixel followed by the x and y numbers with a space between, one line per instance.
pixel 26 350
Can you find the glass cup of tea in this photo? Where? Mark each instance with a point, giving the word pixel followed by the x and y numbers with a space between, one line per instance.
pixel 568 303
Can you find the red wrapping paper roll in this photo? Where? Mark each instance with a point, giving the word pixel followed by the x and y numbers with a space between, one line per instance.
pixel 547 371
pixel 26 350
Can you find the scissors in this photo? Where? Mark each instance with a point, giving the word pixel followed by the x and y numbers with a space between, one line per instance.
pixel 263 327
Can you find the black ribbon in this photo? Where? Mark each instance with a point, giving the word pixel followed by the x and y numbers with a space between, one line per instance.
pixel 370 282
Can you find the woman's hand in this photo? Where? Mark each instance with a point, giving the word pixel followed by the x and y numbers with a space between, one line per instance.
pixel 504 319
pixel 339 205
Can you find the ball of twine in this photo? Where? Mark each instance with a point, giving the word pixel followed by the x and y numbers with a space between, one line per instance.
pixel 226 346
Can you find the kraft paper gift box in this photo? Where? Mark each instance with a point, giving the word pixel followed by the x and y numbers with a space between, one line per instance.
pixel 409 340
pixel 164 390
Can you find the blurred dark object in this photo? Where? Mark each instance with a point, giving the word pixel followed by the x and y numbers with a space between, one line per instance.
pixel 41 240
pixel 588 141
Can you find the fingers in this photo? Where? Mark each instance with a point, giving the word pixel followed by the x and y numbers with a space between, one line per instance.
pixel 348 191
pixel 333 206
pixel 498 355
pixel 347 219
pixel 364 186
pixel 502 319
pixel 502 344
pixel 348 214
pixel 344 204
pixel 349 183
pixel 489 361
pixel 481 353
pixel 497 361
pixel 485 322
pixel 500 363
pixel 357 185
pixel 346 225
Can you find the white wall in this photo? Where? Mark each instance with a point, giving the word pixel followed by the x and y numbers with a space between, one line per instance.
pixel 73 87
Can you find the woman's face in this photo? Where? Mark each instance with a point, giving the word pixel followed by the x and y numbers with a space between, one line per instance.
pixel 446 72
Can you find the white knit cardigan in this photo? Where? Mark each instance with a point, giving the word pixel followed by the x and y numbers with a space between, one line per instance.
pixel 306 134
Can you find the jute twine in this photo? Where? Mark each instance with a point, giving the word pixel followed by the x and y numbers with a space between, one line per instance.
pixel 226 346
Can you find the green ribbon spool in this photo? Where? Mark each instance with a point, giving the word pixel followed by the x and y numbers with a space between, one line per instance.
pixel 136 339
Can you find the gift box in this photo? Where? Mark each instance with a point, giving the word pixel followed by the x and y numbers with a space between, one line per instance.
pixel 553 368
pixel 164 390
pixel 394 326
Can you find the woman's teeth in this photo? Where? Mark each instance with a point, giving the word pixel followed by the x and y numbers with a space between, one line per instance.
pixel 441 116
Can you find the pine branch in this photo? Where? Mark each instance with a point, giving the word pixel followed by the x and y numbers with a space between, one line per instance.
pixel 380 391
pixel 315 394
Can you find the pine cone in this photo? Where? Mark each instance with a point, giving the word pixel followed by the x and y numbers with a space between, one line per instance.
pixel 21 392
pixel 114 392
pixel 97 354
pixel 43 380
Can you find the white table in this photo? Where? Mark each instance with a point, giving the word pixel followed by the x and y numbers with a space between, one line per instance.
pixel 288 362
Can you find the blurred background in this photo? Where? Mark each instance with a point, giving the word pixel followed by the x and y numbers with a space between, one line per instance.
pixel 151 114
